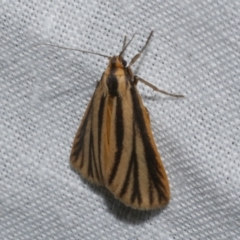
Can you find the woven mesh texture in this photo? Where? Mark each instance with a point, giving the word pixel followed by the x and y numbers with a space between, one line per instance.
pixel 44 92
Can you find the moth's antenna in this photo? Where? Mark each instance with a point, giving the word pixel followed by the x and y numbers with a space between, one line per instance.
pixel 124 48
pixel 135 58
pixel 74 49
pixel 124 42
pixel 149 37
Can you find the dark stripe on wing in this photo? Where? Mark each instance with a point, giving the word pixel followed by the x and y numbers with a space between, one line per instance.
pixel 79 138
pixel 92 159
pixel 127 178
pixel 119 132
pixel 90 155
pixel 154 173
pixel 132 168
pixel 112 81
pixel 135 190
pixel 100 122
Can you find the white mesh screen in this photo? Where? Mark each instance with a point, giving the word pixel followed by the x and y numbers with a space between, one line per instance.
pixel 44 92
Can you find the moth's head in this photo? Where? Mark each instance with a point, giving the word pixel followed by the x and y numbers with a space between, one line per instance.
pixel 117 62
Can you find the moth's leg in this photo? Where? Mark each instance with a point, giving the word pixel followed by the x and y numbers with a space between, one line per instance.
pixel 136 79
pixel 135 58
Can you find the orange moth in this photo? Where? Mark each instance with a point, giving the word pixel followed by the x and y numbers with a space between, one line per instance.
pixel 114 145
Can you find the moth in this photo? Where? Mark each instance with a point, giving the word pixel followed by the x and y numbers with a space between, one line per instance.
pixel 114 145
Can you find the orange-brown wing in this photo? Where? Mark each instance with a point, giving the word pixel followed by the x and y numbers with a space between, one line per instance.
pixel 89 146
pixel 134 172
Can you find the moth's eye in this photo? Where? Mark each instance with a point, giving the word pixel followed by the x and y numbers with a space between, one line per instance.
pixel 124 63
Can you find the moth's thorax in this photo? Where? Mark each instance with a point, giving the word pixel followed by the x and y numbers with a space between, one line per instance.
pixel 118 66
pixel 117 77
